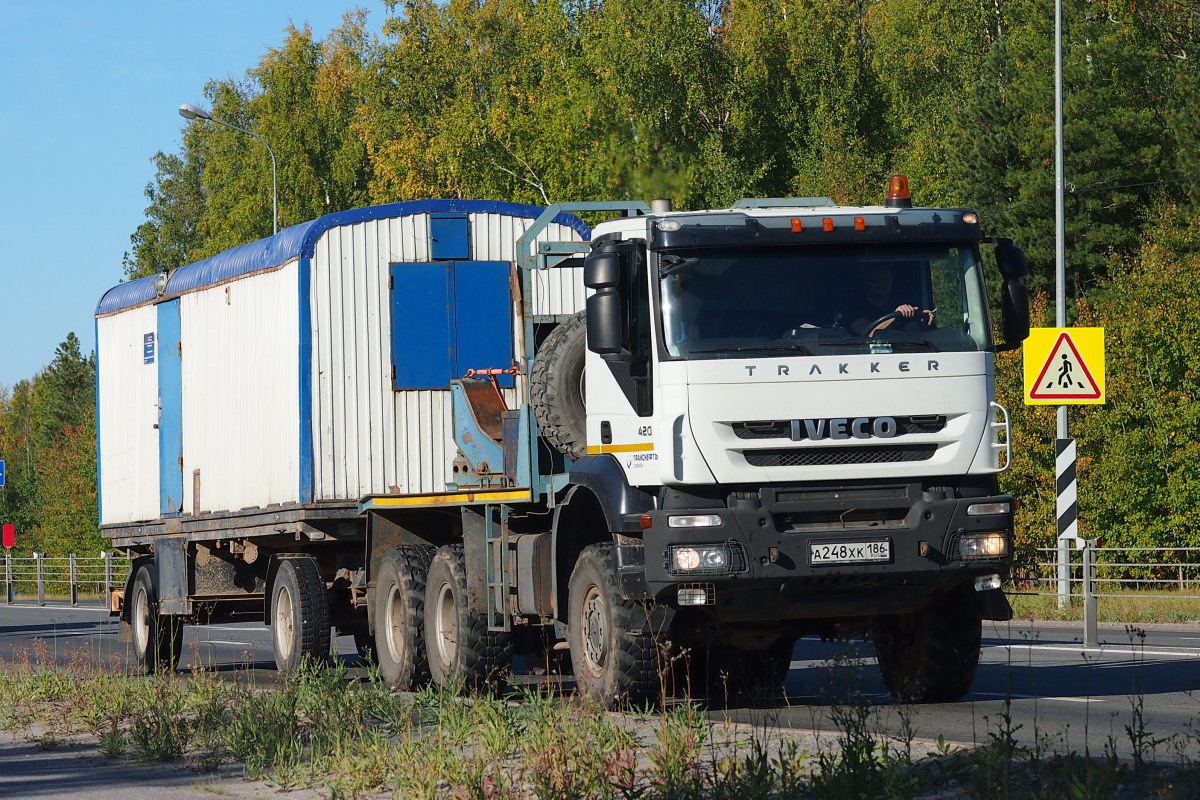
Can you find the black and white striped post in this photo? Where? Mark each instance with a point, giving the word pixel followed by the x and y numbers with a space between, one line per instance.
pixel 1067 514
pixel 1067 503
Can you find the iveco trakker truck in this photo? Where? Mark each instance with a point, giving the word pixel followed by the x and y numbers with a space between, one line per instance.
pixel 669 443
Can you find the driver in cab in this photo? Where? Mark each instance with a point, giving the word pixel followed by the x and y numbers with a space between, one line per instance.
pixel 875 308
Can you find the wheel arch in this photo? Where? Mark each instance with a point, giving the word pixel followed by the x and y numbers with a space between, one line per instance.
pixel 593 511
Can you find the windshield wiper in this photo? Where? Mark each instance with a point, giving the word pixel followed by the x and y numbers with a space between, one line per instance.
pixel 923 345
pixel 791 347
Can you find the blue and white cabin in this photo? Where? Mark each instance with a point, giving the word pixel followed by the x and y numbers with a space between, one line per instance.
pixel 312 368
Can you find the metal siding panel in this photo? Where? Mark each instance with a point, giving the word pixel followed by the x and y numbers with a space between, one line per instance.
pixel 368 438
pixel 241 407
pixel 127 412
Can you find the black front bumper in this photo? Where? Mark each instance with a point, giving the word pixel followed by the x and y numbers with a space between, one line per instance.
pixel 776 535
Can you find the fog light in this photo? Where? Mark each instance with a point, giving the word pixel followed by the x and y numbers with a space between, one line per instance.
pixel 983 545
pixel 698 559
pixel 693 521
pixel 987 583
pixel 693 595
pixel 985 509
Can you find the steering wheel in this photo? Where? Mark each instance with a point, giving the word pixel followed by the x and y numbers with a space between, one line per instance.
pixel 873 328
pixel 921 319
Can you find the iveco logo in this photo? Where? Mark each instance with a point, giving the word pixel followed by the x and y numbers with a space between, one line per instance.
pixel 844 428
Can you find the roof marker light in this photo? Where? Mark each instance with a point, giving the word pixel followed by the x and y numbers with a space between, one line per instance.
pixel 797 225
pixel 860 224
pixel 898 195
pixel 827 223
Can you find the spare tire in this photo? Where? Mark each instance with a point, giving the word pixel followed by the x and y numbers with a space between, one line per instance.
pixel 556 387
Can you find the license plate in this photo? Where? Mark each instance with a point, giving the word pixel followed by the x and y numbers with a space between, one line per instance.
pixel 850 552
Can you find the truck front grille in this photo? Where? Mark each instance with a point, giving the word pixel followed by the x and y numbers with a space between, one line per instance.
pixel 831 456
pixel 782 428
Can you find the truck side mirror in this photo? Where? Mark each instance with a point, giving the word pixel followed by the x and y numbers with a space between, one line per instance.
pixel 602 272
pixel 1014 305
pixel 1010 259
pixel 602 266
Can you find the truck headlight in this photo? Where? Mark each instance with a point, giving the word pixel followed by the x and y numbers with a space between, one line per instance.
pixel 993 544
pixel 698 559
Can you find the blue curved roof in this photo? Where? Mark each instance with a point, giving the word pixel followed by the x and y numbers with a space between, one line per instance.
pixel 299 241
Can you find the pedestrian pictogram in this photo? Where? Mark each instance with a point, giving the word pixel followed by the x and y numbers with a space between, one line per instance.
pixel 1064 366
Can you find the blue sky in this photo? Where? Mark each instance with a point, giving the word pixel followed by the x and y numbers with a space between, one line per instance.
pixel 89 93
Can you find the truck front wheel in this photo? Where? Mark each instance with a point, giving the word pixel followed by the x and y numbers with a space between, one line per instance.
pixel 930 656
pixel 400 617
pixel 613 651
pixel 157 640
pixel 300 624
pixel 463 653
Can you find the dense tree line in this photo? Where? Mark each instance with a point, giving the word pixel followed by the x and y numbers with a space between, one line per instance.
pixel 707 101
pixel 48 443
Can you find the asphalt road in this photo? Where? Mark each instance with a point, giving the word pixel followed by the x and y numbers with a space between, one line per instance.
pixel 1039 676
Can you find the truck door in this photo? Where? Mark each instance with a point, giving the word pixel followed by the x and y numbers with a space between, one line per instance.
pixel 170 410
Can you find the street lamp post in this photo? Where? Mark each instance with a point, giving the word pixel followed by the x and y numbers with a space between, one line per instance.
pixel 189 111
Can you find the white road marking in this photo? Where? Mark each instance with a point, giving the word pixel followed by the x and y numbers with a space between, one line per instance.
pixel 1103 650
pixel 1040 697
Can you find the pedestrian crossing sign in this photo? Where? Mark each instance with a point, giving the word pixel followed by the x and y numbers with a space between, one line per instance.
pixel 1064 366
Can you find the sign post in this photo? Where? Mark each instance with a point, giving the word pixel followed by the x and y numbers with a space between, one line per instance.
pixel 1065 366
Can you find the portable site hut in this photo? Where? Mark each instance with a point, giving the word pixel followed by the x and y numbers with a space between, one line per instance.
pixel 311 368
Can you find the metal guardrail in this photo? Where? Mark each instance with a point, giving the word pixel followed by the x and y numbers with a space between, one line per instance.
pixel 68 577
pixel 1101 571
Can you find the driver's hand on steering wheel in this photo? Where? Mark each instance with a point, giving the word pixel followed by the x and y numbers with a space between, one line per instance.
pixel 910 311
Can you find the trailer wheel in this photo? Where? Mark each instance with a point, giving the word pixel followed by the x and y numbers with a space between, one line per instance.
pixel 300 624
pixel 400 617
pixel 613 652
pixel 556 387
pixel 930 656
pixel 463 653
pixel 157 640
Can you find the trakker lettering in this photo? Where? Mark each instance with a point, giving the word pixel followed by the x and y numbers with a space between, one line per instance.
pixel 841 368
pixel 845 428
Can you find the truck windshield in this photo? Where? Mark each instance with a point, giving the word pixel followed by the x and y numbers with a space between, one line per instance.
pixel 725 303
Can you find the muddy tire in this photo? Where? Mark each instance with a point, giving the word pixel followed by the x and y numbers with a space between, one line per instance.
pixel 556 387
pixel 930 656
pixel 614 654
pixel 157 640
pixel 462 652
pixel 400 618
pixel 300 625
